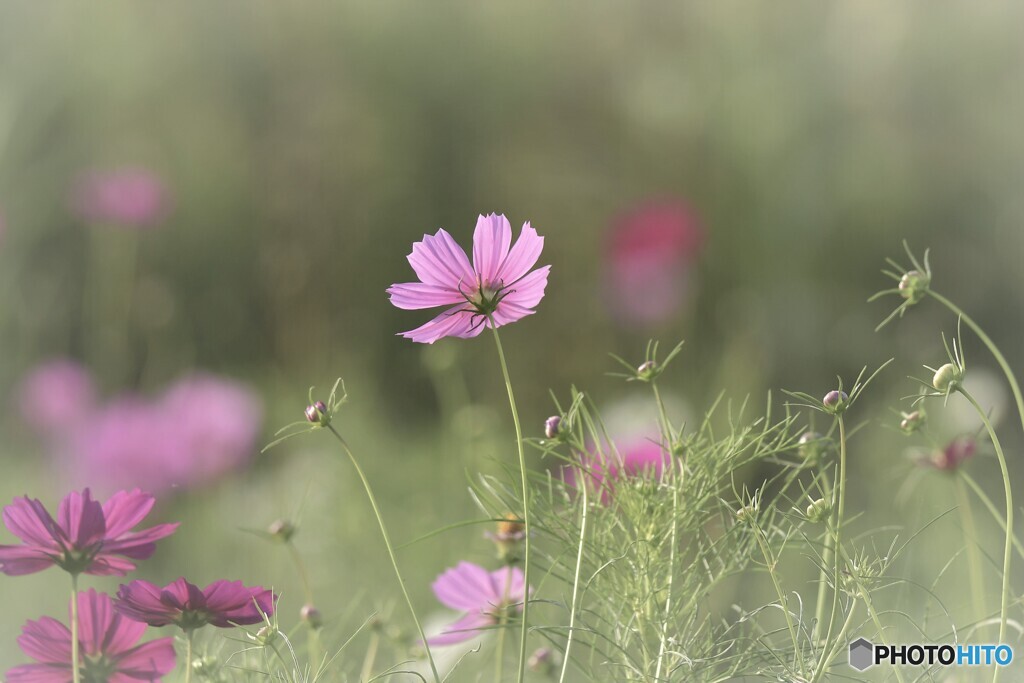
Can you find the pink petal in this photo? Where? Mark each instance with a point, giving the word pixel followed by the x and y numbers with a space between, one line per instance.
pixel 416 295
pixel 46 640
pixel 466 587
pixel 509 583
pixel 139 545
pixel 81 518
pixel 18 560
pixel 462 630
pixel 141 601
pixel 509 313
pixel 522 256
pixel 39 673
pixel 529 290
pixel 454 322
pixel 235 603
pixel 149 661
pixel 108 565
pixel 491 241
pixel 438 260
pixel 28 520
pixel 126 509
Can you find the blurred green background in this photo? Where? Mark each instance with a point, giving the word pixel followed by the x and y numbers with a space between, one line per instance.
pixel 304 146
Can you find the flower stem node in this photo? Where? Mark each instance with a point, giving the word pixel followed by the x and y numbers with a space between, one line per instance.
pixel 318 414
pixel 948 378
pixel 836 402
pixel 913 422
pixel 311 616
pixel 282 530
pixel 913 285
pixel 553 427
pixel 819 510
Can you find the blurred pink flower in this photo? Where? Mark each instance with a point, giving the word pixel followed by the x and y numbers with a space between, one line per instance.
pixel 482 595
pixel 497 289
pixel 643 458
pixel 56 396
pixel 651 250
pixel 85 537
pixel 131 197
pixel 222 604
pixel 202 428
pixel 957 452
pixel 108 649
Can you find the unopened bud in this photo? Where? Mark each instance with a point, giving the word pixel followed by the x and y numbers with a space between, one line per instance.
pixel 819 510
pixel 317 413
pixel 835 401
pixel 282 530
pixel 947 378
pixel 312 616
pixel 553 426
pixel 912 422
pixel 913 285
pixel 812 446
pixel 648 370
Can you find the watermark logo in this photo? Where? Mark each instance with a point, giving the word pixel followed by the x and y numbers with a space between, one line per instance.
pixel 864 654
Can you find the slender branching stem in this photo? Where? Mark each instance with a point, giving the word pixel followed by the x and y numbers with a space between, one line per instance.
pixel 189 636
pixel 76 669
pixel 521 671
pixel 990 506
pixel 671 574
pixel 826 558
pixel 836 524
pixel 387 543
pixel 1004 603
pixel 770 563
pixel 584 509
pixel 971 541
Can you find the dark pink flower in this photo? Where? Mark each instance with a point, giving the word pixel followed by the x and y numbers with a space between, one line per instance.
pixel 651 250
pixel 85 537
pixel 56 396
pixel 223 604
pixel 497 289
pixel 957 452
pixel 131 197
pixel 202 428
pixel 644 459
pixel 108 652
pixel 482 595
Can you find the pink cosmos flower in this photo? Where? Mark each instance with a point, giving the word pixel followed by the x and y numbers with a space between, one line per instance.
pixel 497 289
pixel 642 459
pixel 651 250
pixel 131 197
pixel 86 536
pixel 107 648
pixel 222 604
pixel 56 396
pixel 957 452
pixel 482 595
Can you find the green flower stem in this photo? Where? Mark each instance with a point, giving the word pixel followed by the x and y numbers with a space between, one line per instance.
pixel 387 543
pixel 576 576
pixel 76 670
pixel 526 504
pixel 770 563
pixel 826 560
pixel 1004 603
pixel 987 502
pixel 836 523
pixel 971 540
pixel 992 348
pixel 189 635
pixel 370 659
pixel 671 575
pixel 499 654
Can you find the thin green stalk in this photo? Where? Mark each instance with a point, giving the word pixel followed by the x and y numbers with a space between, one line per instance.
pixel 387 543
pixel 370 658
pixel 866 595
pixel 1008 545
pixel 834 650
pixel 996 515
pixel 666 427
pixel 576 575
pixel 189 635
pixel 783 601
pixel 837 523
pixel 76 670
pixel 826 560
pixel 526 504
pixel 671 575
pixel 971 539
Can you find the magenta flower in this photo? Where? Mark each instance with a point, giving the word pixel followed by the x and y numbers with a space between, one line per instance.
pixel 86 537
pixel 957 452
pixel 643 459
pixel 497 289
pixel 482 595
pixel 56 396
pixel 222 604
pixel 130 197
pixel 107 648
pixel 651 251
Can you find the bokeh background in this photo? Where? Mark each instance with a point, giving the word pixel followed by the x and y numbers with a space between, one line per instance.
pixel 201 205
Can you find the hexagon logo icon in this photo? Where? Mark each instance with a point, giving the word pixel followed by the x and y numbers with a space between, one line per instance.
pixel 862 654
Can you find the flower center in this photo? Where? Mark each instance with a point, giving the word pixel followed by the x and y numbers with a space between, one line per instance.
pixel 97 669
pixel 487 298
pixel 192 619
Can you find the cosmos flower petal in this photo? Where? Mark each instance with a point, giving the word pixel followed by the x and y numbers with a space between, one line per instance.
pixel 439 260
pixel 39 673
pixel 455 322
pixel 491 241
pixel 416 295
pixel 28 520
pixel 125 509
pixel 510 583
pixel 142 601
pixel 522 256
pixel 236 603
pixel 140 545
pixel 153 658
pixel 18 560
pixel 464 629
pixel 46 640
pixel 465 587
pixel 528 291
pixel 81 518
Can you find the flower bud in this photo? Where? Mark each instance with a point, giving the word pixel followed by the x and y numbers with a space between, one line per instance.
pixel 819 510
pixel 947 378
pixel 317 414
pixel 282 530
pixel 647 371
pixel 744 514
pixel 835 401
pixel 312 616
pixel 553 426
pixel 508 538
pixel 542 661
pixel 812 446
pixel 913 286
pixel 912 422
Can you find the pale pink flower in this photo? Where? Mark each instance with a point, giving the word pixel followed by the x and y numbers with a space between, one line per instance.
pixel 130 197
pixel 56 396
pixel 642 459
pixel 482 595
pixel 496 289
